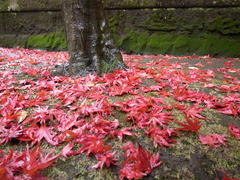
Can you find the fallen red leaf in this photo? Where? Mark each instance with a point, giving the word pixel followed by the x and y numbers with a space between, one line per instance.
pixel 25 165
pixel 92 144
pixel 139 162
pixel 212 140
pixel 122 132
pixel 194 111
pixel 161 137
pixel 36 134
pixel 190 125
pixel 230 109
pixel 234 131
pixel 30 70
pixel 7 134
pixel 106 158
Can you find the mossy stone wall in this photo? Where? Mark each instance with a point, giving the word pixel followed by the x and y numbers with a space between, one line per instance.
pixel 171 3
pixel 178 31
pixel 156 26
pixel 53 5
pixel 180 45
pixel 2 24
pixel 29 5
pixel 20 23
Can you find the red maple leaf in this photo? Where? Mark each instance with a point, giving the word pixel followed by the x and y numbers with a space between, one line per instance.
pixel 161 137
pixel 194 111
pixel 230 109
pixel 30 70
pixel 106 158
pixel 151 88
pixel 165 93
pixel 102 107
pixel 36 134
pixel 139 162
pixel 66 151
pixel 199 64
pixel 225 177
pixel 99 126
pixel 212 140
pixel 121 89
pixel 95 145
pixel 158 117
pixel 65 121
pixel 234 131
pixel 41 115
pixel 35 161
pixel 190 125
pixel 124 131
pixel 13 132
pixel 5 174
pixel 25 165
pixel 92 144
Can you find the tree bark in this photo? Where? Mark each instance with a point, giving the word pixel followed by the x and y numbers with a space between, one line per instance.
pixel 90 45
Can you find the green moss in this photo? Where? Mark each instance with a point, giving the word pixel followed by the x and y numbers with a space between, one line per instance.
pixel 187 45
pixel 195 44
pixel 180 45
pixel 160 26
pixel 224 25
pixel 113 22
pixel 160 21
pixel 143 43
pixel 161 44
pixel 56 173
pixel 215 45
pixel 59 41
pixel 134 42
pixel 53 41
pixel 190 27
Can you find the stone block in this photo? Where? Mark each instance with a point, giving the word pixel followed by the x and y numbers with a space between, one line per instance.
pixel 55 5
pixel 169 3
pixel 33 23
pixel 2 23
pixel 29 5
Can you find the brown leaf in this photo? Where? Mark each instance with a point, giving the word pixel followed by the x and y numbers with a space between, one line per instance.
pixel 21 115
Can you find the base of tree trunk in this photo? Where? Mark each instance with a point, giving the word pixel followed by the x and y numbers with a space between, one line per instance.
pixel 105 67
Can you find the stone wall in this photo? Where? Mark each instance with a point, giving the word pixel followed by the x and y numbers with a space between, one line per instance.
pixel 54 5
pixel 179 31
pixel 171 3
pixel 179 27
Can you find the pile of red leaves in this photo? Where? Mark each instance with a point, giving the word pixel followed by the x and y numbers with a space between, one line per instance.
pixel 65 110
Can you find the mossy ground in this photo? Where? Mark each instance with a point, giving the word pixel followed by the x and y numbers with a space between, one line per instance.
pixel 187 159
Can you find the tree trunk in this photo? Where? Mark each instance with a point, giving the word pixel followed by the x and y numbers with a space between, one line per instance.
pixel 90 45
